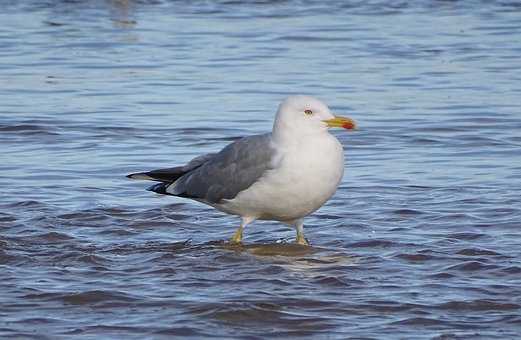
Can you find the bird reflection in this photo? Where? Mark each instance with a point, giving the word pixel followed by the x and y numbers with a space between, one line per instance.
pixel 122 13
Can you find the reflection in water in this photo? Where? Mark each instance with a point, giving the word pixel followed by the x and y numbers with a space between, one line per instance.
pixel 122 13
pixel 278 249
pixel 296 257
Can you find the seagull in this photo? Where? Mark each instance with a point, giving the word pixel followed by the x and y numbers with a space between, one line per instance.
pixel 283 175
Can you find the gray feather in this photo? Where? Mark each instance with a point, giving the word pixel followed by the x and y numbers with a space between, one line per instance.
pixel 232 170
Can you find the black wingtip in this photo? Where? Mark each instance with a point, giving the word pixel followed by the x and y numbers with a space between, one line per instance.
pixel 141 175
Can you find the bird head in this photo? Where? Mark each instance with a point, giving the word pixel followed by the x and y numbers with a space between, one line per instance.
pixel 307 115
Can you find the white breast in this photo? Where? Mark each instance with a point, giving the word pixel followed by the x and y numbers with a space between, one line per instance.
pixel 307 175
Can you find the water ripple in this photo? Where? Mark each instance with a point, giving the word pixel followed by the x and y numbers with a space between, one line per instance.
pixel 420 240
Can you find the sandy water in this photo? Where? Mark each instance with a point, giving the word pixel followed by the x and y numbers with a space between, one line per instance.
pixel 422 239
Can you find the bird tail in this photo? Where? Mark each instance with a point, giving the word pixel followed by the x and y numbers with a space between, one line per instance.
pixel 159 188
pixel 166 177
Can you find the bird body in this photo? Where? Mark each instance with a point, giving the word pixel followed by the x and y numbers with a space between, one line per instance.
pixel 307 173
pixel 284 175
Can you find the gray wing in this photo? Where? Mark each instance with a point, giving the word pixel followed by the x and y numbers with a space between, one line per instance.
pixel 169 175
pixel 232 170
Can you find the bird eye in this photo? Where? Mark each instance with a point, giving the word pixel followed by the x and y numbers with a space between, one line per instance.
pixel 308 112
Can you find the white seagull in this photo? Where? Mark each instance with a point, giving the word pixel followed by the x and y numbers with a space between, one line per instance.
pixel 283 175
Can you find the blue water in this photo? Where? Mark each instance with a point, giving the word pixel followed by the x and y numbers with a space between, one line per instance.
pixel 422 239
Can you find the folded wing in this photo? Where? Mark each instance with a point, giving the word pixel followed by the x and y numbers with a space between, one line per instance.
pixel 214 177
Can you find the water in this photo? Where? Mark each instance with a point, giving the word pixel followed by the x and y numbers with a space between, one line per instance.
pixel 422 239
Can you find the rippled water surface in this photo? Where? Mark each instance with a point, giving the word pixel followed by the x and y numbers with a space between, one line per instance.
pixel 422 239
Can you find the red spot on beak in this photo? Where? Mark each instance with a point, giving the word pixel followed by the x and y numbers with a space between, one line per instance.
pixel 348 125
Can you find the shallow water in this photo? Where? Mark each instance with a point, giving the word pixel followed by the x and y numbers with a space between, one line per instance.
pixel 422 239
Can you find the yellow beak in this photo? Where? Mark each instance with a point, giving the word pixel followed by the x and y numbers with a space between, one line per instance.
pixel 346 123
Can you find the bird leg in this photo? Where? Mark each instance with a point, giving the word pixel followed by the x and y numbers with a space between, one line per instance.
pixel 301 239
pixel 237 237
